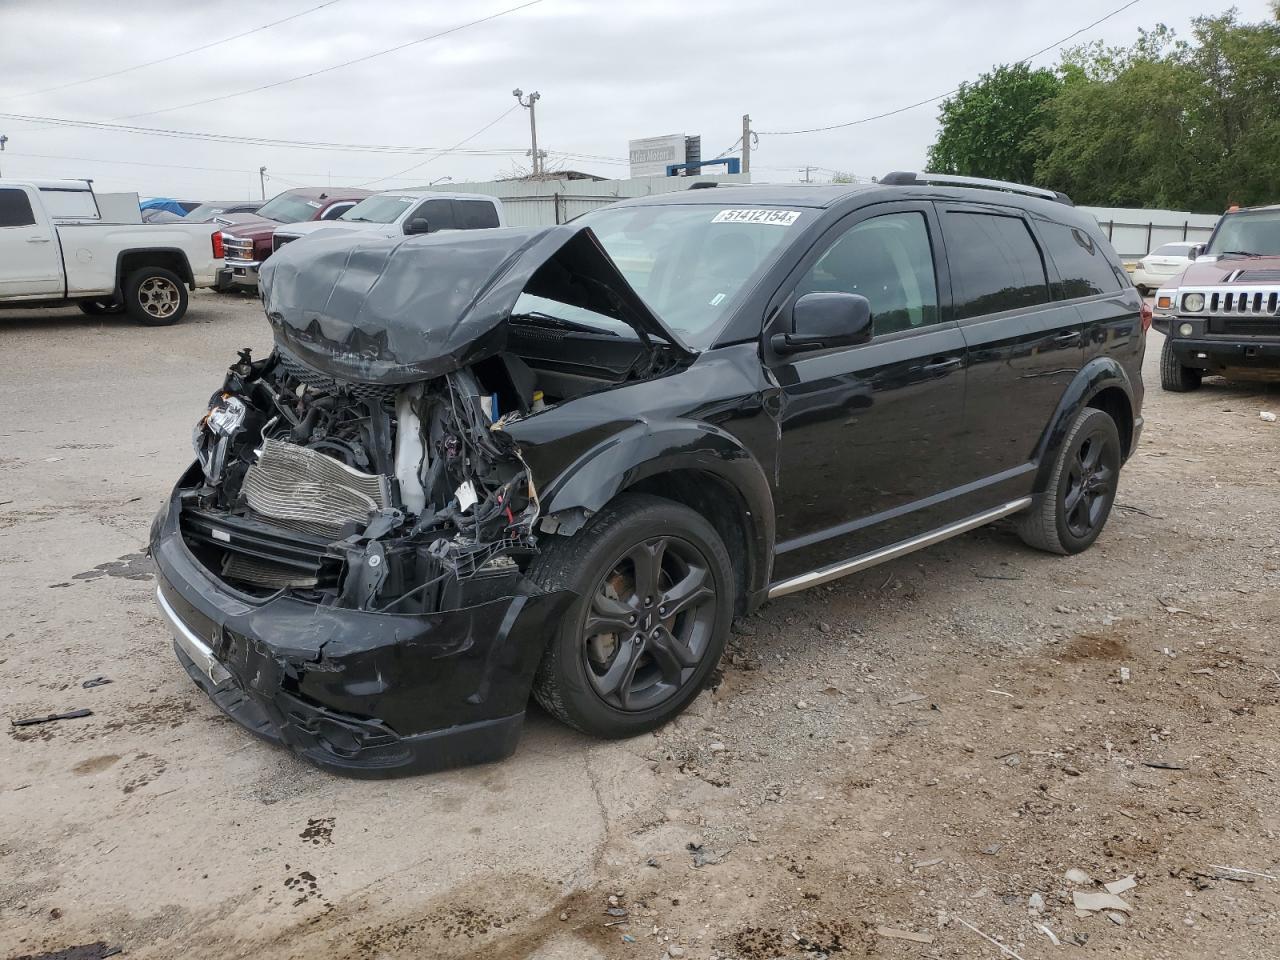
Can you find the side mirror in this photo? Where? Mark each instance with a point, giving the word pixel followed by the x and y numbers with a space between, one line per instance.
pixel 417 225
pixel 825 320
pixel 1196 252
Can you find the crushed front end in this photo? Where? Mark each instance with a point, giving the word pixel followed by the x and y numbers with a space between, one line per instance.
pixel 343 567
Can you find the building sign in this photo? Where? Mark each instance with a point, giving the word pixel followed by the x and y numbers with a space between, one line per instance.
pixel 650 156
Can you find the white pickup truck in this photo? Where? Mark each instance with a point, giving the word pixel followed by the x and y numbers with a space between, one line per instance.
pixel 404 213
pixel 55 249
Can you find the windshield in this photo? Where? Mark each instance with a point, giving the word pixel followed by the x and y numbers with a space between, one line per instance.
pixel 1255 233
pixel 289 208
pixel 384 208
pixel 692 262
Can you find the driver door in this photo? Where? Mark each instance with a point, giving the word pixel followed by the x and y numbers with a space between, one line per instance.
pixel 869 433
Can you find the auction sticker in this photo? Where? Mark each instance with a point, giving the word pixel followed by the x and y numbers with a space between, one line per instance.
pixel 777 218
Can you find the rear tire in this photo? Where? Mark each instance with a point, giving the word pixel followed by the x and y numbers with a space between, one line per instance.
pixel 1174 377
pixel 656 595
pixel 155 297
pixel 100 308
pixel 1081 488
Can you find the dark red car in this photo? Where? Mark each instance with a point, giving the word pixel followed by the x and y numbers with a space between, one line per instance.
pixel 247 239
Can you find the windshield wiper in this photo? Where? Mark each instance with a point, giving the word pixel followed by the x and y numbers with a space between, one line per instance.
pixel 1239 253
pixel 538 318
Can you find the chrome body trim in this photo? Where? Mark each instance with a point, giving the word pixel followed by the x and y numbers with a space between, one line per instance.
pixel 835 571
pixel 192 645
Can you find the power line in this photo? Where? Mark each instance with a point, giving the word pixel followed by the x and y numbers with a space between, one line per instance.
pixel 235 138
pixel 437 156
pixel 921 103
pixel 336 66
pixel 172 56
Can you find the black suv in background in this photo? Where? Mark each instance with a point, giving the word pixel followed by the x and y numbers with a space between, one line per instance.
pixel 561 460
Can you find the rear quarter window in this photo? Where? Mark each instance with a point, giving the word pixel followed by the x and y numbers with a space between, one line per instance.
pixel 15 209
pixel 1083 262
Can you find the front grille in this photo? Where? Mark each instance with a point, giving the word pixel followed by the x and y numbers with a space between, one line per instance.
pixel 1243 302
pixel 305 490
pixel 278 241
pixel 313 378
pixel 247 549
pixel 1233 301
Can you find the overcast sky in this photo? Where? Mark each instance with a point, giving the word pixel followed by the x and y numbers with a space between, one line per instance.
pixel 607 73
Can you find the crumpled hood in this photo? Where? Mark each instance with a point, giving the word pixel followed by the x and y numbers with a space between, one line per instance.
pixel 1212 273
pixel 397 310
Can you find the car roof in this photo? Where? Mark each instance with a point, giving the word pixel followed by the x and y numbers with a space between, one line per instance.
pixel 772 194
pixel 330 193
pixel 431 194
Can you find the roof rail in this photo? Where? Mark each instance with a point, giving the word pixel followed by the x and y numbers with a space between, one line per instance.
pixel 901 178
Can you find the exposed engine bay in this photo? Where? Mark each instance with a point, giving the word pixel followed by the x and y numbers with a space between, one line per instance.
pixel 396 499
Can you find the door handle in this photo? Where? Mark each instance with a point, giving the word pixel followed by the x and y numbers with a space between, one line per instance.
pixel 938 366
pixel 1067 337
pixel 37 239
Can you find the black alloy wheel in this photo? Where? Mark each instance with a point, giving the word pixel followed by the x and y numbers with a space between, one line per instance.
pixel 655 596
pixel 649 623
pixel 1077 500
pixel 1091 484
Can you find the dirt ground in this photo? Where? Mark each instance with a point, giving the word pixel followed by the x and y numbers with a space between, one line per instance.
pixel 885 768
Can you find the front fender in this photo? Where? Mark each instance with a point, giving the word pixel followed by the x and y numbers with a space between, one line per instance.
pixel 646 449
pixel 1095 376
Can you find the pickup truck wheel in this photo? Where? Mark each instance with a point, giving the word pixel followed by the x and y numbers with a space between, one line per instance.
pixel 1174 377
pixel 100 308
pixel 1081 489
pixel 655 587
pixel 155 297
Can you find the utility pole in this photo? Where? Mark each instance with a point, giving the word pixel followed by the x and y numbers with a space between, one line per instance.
pixel 262 181
pixel 746 143
pixel 528 103
pixel 3 141
pixel 806 179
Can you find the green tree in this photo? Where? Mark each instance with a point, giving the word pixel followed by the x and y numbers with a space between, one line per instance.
pixel 989 127
pixel 1190 125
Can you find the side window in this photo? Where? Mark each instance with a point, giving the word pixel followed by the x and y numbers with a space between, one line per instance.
pixel 438 214
pixel 475 214
pixel 337 210
pixel 888 260
pixel 15 209
pixel 1083 265
pixel 995 263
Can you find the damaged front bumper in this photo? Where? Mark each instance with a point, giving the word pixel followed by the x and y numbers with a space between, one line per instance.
pixel 356 692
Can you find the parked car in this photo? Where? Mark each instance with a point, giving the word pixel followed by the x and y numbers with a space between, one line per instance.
pixel 1161 265
pixel 405 213
pixel 248 241
pixel 207 211
pixel 1222 315
pixel 55 249
pixel 487 462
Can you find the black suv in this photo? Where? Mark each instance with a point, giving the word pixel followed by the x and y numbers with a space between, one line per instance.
pixel 561 460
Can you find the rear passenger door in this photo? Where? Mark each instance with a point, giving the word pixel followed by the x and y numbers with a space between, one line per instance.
pixel 1024 347
pixel 30 261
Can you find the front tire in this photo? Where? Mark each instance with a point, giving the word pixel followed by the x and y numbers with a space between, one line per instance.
pixel 1081 489
pixel 656 596
pixel 155 297
pixel 1174 377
